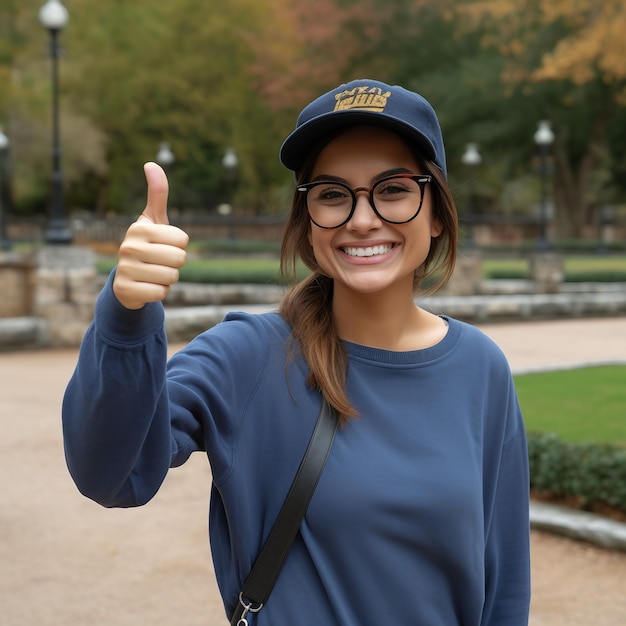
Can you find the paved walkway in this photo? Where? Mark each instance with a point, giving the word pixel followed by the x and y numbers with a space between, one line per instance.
pixel 66 561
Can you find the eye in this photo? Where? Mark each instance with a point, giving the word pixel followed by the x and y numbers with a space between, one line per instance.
pixel 395 187
pixel 330 193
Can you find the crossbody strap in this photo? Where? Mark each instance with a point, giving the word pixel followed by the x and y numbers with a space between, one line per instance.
pixel 260 582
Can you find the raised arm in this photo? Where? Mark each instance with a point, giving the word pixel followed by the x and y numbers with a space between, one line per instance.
pixel 116 423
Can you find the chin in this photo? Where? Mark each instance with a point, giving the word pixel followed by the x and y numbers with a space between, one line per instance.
pixel 365 286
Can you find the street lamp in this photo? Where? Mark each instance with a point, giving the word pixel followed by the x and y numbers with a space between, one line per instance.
pixel 54 16
pixel 5 244
pixel 544 138
pixel 230 163
pixel 471 158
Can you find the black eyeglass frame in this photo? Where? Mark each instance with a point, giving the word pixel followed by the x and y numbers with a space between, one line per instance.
pixel 421 179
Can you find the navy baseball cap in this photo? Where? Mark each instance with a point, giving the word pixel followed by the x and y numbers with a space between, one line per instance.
pixel 366 102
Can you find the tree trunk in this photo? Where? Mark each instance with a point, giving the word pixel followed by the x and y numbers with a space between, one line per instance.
pixel 572 181
pixel 571 191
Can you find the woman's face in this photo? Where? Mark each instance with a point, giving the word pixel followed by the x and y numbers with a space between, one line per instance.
pixel 367 254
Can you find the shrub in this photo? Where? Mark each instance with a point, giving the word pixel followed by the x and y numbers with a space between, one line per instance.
pixel 590 473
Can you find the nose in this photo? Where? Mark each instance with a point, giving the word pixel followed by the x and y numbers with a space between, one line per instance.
pixel 363 217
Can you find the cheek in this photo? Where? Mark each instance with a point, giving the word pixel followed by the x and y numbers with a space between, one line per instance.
pixel 317 239
pixel 316 242
pixel 321 243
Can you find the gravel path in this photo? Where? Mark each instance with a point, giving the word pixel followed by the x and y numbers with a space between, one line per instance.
pixel 575 583
pixel 66 561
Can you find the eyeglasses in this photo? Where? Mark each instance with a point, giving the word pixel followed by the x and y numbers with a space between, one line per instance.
pixel 395 199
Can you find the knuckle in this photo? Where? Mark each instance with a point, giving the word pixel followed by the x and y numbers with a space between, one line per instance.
pixel 172 276
pixel 182 258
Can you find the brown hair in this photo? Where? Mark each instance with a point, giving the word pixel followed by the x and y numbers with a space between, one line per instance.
pixel 307 306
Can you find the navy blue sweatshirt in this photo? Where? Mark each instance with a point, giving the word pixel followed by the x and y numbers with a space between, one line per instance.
pixel 421 515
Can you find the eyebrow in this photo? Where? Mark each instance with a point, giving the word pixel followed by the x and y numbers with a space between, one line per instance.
pixel 338 179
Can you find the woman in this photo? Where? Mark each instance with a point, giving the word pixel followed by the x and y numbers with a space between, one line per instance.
pixel 421 513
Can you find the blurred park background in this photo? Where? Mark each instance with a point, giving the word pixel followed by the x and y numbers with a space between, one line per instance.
pixel 531 97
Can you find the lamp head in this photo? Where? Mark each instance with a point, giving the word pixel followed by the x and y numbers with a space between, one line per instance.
pixel 230 160
pixel 544 135
pixel 165 156
pixel 53 15
pixel 471 156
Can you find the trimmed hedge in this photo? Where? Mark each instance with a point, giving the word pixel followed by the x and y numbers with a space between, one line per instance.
pixel 595 276
pixel 589 473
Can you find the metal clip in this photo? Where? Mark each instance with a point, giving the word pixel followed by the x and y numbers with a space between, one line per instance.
pixel 247 608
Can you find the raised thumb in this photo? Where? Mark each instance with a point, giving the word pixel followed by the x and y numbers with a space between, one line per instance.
pixel 158 188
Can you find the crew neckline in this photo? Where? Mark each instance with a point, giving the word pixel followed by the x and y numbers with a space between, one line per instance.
pixel 409 357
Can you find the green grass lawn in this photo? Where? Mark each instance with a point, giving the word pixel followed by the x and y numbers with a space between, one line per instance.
pixel 578 405
pixel 251 269
pixel 584 263
pixel 576 267
pixel 264 268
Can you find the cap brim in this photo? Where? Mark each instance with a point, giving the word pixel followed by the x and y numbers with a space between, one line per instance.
pixel 297 146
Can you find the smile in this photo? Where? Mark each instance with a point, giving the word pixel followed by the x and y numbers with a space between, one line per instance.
pixel 370 251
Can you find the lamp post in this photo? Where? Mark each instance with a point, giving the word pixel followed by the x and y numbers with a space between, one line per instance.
pixel 230 163
pixel 5 244
pixel 605 219
pixel 544 138
pixel 471 158
pixel 54 16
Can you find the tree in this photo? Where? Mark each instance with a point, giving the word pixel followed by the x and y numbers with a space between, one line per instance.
pixel 164 72
pixel 133 75
pixel 567 59
pixel 310 47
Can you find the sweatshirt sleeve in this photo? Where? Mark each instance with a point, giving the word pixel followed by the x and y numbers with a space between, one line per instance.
pixel 116 427
pixel 507 548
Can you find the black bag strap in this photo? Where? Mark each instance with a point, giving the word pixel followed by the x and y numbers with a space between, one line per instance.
pixel 261 579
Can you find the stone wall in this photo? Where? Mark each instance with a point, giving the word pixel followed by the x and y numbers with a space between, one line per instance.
pixel 468 274
pixel 547 272
pixel 66 289
pixel 17 285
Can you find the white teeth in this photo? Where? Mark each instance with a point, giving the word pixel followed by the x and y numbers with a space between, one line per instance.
pixel 372 251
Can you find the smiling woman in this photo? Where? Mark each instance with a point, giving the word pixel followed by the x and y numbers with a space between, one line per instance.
pixel 421 513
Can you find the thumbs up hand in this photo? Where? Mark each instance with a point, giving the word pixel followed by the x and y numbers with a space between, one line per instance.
pixel 152 251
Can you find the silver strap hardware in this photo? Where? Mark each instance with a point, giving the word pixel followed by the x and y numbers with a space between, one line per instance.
pixel 247 608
